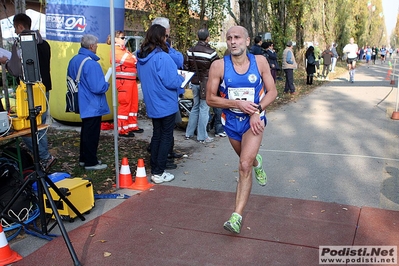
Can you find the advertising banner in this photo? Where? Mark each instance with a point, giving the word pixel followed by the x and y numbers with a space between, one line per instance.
pixel 69 20
pixel 66 22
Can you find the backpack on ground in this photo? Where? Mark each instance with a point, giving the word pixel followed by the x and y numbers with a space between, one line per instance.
pixel 72 102
pixel 10 183
pixel 12 153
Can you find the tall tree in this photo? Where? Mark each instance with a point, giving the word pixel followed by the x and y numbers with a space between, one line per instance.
pixel 395 34
pixel 302 21
pixel 246 16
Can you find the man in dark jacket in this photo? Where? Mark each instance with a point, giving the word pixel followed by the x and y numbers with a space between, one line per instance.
pixel 271 57
pixel 199 60
pixel 22 24
pixel 256 48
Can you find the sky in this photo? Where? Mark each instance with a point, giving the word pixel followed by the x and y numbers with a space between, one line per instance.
pixel 390 11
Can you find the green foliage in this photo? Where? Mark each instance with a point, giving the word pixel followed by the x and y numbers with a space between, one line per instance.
pixel 395 34
pixel 324 21
pixel 186 18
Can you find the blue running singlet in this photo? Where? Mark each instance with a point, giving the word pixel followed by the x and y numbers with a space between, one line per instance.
pixel 245 87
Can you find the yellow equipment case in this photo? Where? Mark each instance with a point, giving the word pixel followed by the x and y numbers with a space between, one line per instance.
pixel 20 120
pixel 78 191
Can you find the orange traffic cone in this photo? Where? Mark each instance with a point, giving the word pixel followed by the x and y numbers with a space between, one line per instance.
pixel 125 176
pixel 395 115
pixel 7 255
pixel 388 77
pixel 141 181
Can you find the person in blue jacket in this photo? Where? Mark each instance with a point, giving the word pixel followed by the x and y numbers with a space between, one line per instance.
pixel 160 83
pixel 179 60
pixel 92 100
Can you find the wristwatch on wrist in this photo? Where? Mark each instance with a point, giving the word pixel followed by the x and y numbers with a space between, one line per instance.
pixel 260 108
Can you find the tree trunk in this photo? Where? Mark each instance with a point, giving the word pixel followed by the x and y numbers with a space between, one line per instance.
pixel 246 15
pixel 256 18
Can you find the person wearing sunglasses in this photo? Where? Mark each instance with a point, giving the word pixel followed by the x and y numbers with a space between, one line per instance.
pixel 126 85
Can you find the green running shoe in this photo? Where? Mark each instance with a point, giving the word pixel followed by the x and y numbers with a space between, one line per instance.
pixel 260 174
pixel 234 223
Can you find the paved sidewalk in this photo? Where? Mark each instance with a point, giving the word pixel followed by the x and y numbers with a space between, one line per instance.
pixel 332 160
pixel 183 226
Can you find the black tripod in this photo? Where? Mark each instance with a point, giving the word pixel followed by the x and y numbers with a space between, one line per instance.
pixel 42 178
pixel 32 76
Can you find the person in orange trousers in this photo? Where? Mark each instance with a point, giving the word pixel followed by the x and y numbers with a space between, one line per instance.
pixel 126 84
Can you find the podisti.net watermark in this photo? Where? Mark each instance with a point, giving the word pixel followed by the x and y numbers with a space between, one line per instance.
pixel 358 255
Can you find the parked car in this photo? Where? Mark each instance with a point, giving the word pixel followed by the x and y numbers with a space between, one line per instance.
pixel 133 43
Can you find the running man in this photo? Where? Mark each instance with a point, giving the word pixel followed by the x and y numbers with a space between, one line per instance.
pixel 351 50
pixel 383 53
pixel 246 87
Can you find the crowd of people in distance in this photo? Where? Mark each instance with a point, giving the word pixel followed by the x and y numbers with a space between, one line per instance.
pixel 373 53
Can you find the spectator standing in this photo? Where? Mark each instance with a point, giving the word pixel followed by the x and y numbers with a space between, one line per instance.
pixel 271 56
pixel 351 49
pixel 289 64
pixel 334 58
pixel 160 84
pixel 179 60
pixel 22 24
pixel 310 65
pixel 256 48
pixel 176 55
pixel 200 57
pixel 126 85
pixel 327 56
pixel 246 88
pixel 92 100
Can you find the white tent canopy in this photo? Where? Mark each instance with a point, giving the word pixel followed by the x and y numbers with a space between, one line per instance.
pixel 38 23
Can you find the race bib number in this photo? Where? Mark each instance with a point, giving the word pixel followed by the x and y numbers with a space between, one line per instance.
pixel 242 94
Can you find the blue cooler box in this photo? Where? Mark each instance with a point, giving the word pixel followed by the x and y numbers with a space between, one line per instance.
pixel 55 177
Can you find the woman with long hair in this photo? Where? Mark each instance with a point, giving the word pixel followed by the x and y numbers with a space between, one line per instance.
pixel 310 65
pixel 161 86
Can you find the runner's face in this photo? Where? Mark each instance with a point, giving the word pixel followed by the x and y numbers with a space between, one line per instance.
pixel 237 42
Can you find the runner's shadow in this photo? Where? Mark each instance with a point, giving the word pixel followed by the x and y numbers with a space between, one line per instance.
pixel 390 186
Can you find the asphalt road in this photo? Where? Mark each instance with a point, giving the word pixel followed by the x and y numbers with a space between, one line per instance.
pixel 336 144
